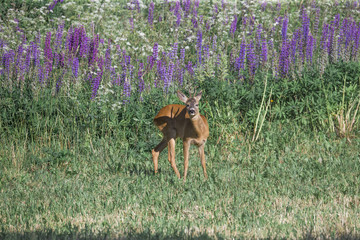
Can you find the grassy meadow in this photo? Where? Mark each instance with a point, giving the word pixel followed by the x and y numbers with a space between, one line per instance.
pixel 80 84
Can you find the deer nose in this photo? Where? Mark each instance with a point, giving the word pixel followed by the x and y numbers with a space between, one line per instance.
pixel 192 111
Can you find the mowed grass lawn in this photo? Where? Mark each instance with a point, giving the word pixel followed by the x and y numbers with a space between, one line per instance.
pixel 80 84
pixel 288 185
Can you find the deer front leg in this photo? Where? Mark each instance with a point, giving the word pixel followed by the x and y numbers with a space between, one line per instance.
pixel 202 158
pixel 186 147
pixel 171 147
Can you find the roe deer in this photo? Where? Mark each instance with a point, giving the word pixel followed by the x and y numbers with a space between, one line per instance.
pixel 185 122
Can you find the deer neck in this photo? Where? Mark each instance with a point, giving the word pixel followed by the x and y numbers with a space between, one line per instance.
pixel 198 124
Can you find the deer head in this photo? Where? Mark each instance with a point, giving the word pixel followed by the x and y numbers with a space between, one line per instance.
pixel 192 103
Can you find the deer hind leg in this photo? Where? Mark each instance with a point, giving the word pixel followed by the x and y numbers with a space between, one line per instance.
pixel 202 158
pixel 156 151
pixel 171 148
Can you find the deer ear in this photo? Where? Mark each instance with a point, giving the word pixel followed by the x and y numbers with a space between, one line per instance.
pixel 182 97
pixel 198 96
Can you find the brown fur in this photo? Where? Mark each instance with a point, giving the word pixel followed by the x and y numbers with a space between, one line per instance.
pixel 174 121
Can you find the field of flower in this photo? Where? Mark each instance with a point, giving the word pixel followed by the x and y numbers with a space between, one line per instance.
pixel 80 83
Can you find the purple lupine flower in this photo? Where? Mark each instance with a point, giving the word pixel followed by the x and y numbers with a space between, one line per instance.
pixel 150 62
pixel 233 26
pixel 355 47
pixel 48 54
pixel 61 60
pixel 19 54
pixel 127 85
pixel 349 33
pixel 84 44
pixel 214 43
pixel 27 61
pixel 181 76
pixel 126 91
pixel 324 36
pixel 194 22
pixel 189 68
pixel 226 20
pixel 336 21
pixel 58 36
pixel 223 4
pixel 310 49
pixel 68 43
pixel 216 10
pixel 35 54
pixel 244 21
pixel 206 51
pixel 278 6
pixel 174 50
pixel 96 81
pixel 251 58
pixel 284 59
pixel 38 39
pixel 292 47
pixel 258 35
pixel 159 69
pixel 151 14
pixel 342 33
pixel 95 84
pixel 330 41
pixel 108 56
pixel 76 39
pixel 8 59
pixel 316 22
pixel 264 51
pixel 2 43
pixel 155 51
pixel 59 82
pixel 177 13
pixel 75 67
pixel 300 48
pixel 240 62
pixel 141 85
pixel 199 45
pixel 305 24
pixel 196 3
pixel 313 4
pixel 270 44
pixel 208 26
pixel 53 4
pixel 284 28
pixel 135 5
pixel 263 6
pixel 182 54
pixel 169 76
pixel 218 60
pixel 100 63
pixel 187 7
pixel 94 45
pixel 41 75
pixel 251 27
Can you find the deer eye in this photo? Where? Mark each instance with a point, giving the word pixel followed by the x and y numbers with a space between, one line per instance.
pixel 196 105
pixel 187 105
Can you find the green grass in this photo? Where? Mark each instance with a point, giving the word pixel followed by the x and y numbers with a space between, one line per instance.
pixel 75 168
pixel 290 184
